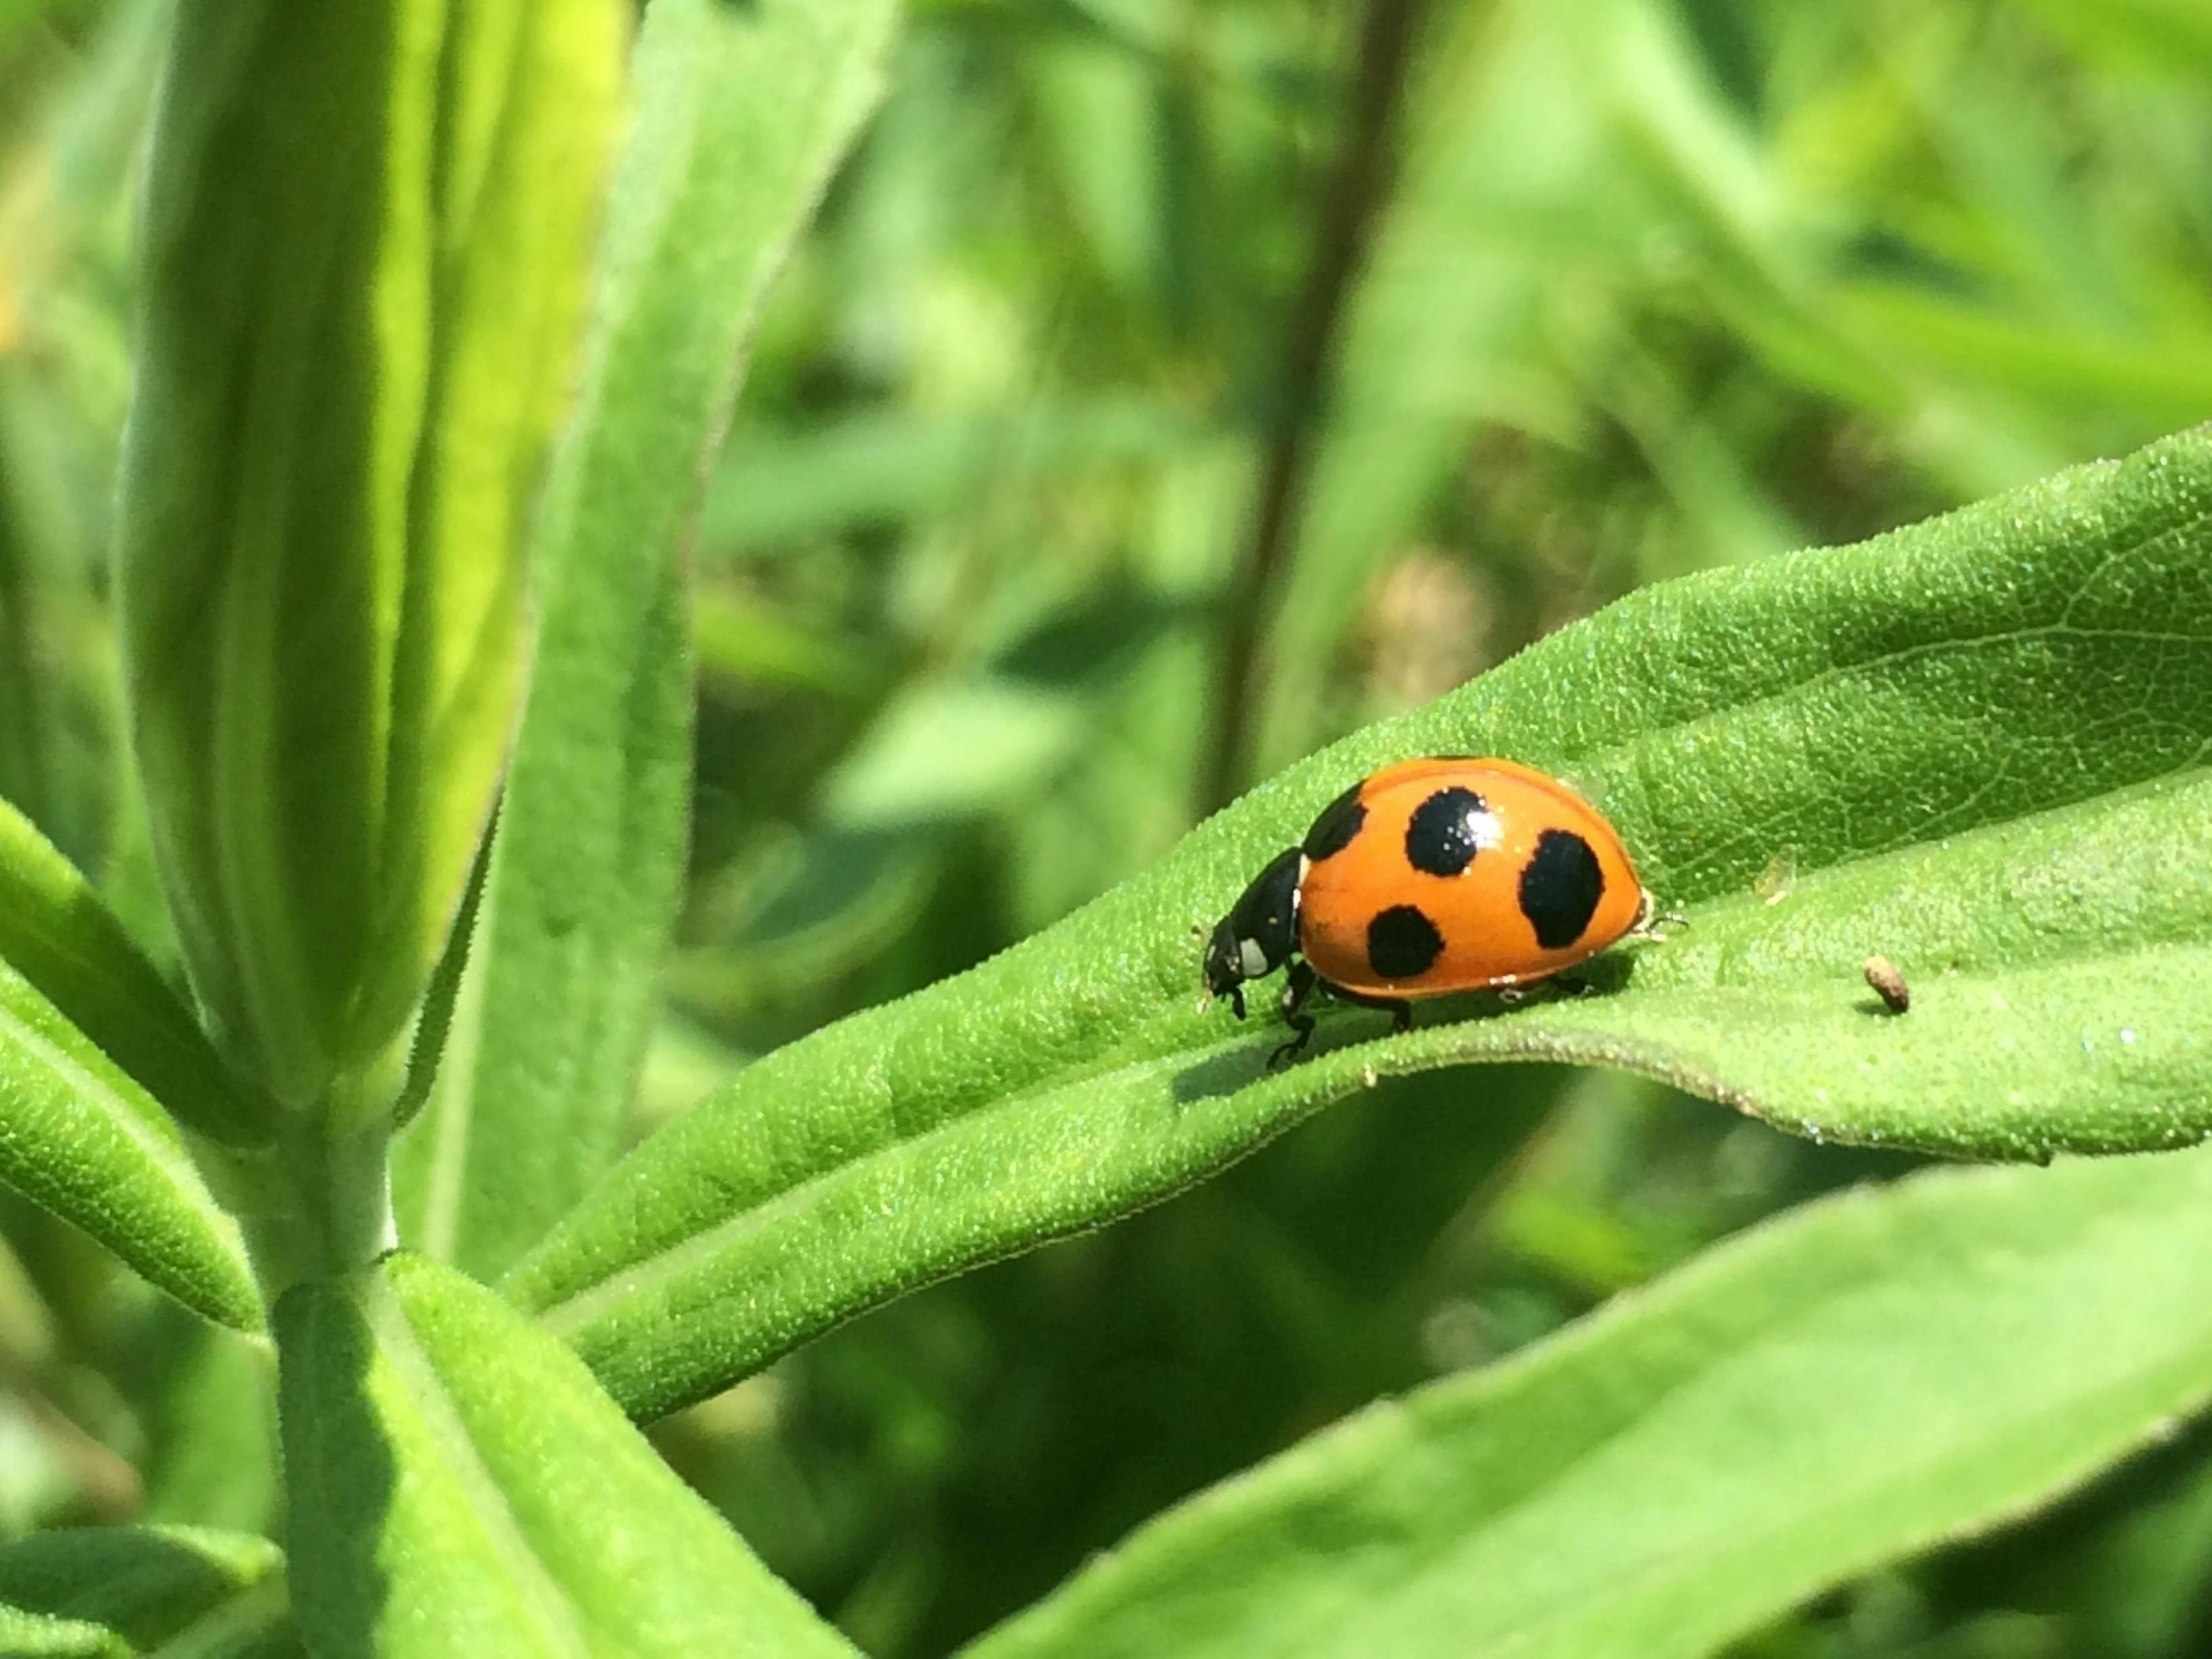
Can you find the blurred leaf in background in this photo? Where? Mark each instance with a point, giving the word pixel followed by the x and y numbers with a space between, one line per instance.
pixel 1656 284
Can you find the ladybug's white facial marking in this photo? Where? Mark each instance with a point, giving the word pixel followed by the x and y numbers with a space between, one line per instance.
pixel 1261 931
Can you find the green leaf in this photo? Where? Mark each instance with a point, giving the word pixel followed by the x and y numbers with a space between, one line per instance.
pixel 1980 744
pixel 2115 1570
pixel 210 1422
pixel 364 243
pixel 742 111
pixel 17 17
pixel 79 1136
pixel 772 488
pixel 458 1485
pixel 122 1590
pixel 32 1635
pixel 55 931
pixel 1867 1377
pixel 427 1044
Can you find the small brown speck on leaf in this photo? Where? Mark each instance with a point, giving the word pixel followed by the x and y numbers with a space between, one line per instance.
pixel 1888 983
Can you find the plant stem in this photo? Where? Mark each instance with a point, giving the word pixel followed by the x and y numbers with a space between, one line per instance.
pixel 1345 216
pixel 319 1203
pixel 356 1194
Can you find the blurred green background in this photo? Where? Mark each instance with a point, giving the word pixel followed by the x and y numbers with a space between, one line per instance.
pixel 1510 307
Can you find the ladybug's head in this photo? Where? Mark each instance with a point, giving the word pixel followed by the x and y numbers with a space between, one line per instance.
pixel 1259 934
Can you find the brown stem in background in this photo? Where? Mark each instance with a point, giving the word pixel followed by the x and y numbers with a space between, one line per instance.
pixel 1344 219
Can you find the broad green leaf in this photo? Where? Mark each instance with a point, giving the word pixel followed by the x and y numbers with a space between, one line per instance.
pixel 1979 742
pixel 120 1591
pixel 458 1485
pixel 57 935
pixel 364 242
pixel 1865 1377
pixel 82 1139
pixel 741 113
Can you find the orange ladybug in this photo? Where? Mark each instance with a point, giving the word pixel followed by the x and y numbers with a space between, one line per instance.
pixel 1450 873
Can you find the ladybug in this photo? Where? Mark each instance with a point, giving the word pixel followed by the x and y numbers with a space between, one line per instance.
pixel 1453 873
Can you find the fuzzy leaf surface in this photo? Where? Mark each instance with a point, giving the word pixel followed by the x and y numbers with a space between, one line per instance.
pixel 82 1139
pixel 55 931
pixel 457 1485
pixel 1976 746
pixel 116 1592
pixel 741 112
pixel 1862 1378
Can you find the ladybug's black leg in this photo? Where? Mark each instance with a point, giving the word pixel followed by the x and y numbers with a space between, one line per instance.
pixel 1296 987
pixel 1400 1010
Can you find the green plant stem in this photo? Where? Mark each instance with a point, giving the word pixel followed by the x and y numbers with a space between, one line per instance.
pixel 354 1185
pixel 319 1204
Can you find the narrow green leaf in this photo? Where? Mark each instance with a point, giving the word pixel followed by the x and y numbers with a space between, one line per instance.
pixel 741 113
pixel 82 1139
pixel 1951 733
pixel 127 1590
pixel 458 1485
pixel 363 248
pixel 434 1021
pixel 55 931
pixel 35 1635
pixel 1866 1377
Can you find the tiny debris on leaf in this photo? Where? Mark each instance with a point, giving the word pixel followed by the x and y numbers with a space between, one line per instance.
pixel 1888 983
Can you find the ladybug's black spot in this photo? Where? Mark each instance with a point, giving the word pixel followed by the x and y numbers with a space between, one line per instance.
pixel 1333 830
pixel 1402 943
pixel 1560 886
pixel 1444 833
